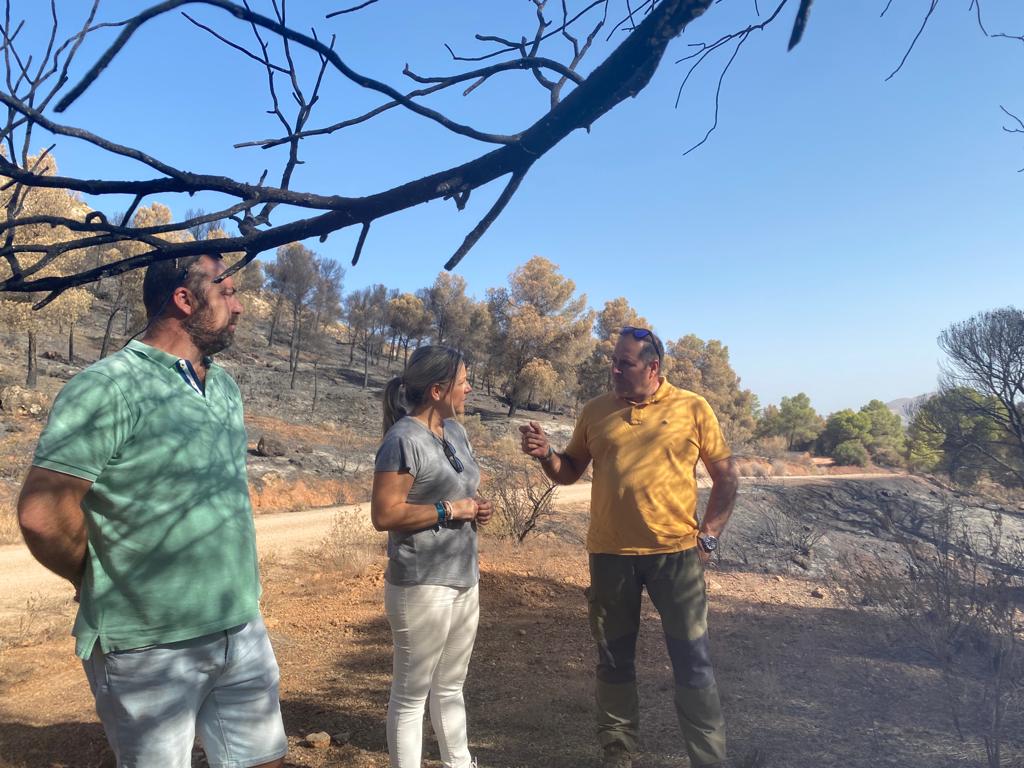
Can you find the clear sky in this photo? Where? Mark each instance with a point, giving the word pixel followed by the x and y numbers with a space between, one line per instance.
pixel 827 231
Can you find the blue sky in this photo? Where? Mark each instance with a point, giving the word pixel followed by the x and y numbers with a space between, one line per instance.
pixel 826 232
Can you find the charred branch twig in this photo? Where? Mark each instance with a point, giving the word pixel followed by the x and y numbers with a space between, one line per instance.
pixel 249 16
pixel 623 74
pixel 478 231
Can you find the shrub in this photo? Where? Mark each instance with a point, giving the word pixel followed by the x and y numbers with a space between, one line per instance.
pixel 350 547
pixel 772 447
pixel 521 494
pixel 851 452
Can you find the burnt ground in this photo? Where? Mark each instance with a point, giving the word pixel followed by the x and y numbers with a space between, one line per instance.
pixel 808 678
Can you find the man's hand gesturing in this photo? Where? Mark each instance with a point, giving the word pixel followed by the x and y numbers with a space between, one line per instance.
pixel 533 441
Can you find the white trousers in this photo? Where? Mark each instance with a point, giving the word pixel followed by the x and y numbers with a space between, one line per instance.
pixel 433 629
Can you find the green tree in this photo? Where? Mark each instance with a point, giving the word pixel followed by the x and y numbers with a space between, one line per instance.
pixel 794 419
pixel 851 452
pixel 886 441
pixel 842 427
pixel 964 444
pixel 986 356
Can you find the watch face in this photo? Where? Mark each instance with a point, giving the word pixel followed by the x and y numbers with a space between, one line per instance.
pixel 708 543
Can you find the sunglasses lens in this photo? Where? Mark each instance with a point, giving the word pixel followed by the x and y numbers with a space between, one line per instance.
pixel 640 334
pixel 449 453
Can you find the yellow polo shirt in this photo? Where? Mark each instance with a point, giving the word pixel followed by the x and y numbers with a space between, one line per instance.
pixel 644 497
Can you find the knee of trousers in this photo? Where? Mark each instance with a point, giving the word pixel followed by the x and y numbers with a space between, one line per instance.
pixel 691 661
pixel 617 660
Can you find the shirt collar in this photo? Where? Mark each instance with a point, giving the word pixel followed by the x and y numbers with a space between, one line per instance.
pixel 664 390
pixel 158 356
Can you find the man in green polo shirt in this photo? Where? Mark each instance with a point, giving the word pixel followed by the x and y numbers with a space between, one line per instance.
pixel 644 439
pixel 138 496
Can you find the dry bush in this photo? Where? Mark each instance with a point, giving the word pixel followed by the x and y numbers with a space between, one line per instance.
pixel 480 437
pixel 752 466
pixel 782 532
pixel 351 547
pixel 43 619
pixel 521 494
pixel 10 532
pixel 961 601
pixel 772 447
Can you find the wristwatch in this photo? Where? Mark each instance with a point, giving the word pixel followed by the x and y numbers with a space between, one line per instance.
pixel 707 542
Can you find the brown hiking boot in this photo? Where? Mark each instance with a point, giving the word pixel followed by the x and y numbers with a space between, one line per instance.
pixel 616 756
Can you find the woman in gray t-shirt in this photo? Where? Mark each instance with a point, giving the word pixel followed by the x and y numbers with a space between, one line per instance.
pixel 425 497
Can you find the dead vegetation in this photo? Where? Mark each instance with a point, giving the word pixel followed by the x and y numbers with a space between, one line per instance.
pixel 349 549
pixel 958 592
pixel 10 533
pixel 521 494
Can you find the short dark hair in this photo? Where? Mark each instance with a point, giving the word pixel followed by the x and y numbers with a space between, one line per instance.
pixel 163 277
pixel 652 350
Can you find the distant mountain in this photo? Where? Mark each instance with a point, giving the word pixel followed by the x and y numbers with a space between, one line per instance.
pixel 903 406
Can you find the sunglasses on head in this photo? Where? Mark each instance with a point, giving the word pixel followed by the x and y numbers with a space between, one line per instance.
pixel 643 333
pixel 449 453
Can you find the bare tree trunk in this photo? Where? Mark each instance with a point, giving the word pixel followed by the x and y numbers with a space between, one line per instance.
pixel 274 319
pixel 107 332
pixel 32 373
pixel 316 363
pixel 366 363
pixel 392 352
pixel 71 343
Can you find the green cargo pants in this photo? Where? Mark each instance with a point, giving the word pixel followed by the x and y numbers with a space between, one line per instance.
pixel 675 584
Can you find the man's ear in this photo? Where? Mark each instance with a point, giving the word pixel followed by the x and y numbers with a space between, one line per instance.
pixel 183 300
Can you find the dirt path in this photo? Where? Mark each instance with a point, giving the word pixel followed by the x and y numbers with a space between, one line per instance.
pixel 282 534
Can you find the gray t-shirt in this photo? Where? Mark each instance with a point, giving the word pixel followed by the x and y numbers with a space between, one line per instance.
pixel 445 555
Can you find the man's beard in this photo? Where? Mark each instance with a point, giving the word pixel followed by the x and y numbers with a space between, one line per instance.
pixel 208 340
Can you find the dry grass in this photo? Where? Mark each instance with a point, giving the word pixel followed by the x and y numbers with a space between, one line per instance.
pixel 349 549
pixel 43 619
pixel 10 533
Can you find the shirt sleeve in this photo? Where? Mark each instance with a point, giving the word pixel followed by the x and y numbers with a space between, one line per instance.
pixel 397 453
pixel 712 442
pixel 89 423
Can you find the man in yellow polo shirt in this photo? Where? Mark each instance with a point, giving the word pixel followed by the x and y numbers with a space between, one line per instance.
pixel 645 439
